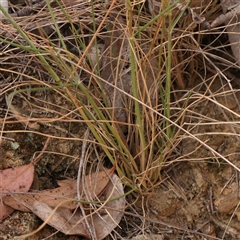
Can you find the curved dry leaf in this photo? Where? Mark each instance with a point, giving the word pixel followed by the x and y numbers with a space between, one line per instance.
pixel 227 5
pixel 76 222
pixel 103 221
pixel 110 217
pixel 65 182
pixel 5 211
pixel 233 35
pixel 18 179
pixel 60 219
pixel 231 19
pixel 18 202
pixel 92 186
pixel 52 197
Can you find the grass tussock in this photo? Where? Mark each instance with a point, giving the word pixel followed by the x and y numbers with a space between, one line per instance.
pixel 113 67
pixel 124 83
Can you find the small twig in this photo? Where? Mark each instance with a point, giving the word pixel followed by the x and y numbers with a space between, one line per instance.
pixel 79 177
pixel 56 127
pixel 80 169
pixel 227 229
pixel 41 153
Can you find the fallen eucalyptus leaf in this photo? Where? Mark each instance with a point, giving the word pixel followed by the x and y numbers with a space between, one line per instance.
pixel 18 179
pixel 111 215
pixel 231 20
pixel 59 219
pixel 91 187
pixel 5 211
pixel 102 221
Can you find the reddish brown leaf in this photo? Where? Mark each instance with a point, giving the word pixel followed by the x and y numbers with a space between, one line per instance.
pixel 109 218
pixel 60 220
pixel 51 197
pixel 65 182
pixel 102 222
pixel 5 211
pixel 18 179
pixel 92 186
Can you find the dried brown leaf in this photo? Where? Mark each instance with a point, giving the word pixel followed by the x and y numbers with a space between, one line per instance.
pixel 115 71
pixel 231 20
pixel 18 179
pixel 93 185
pixel 5 211
pixel 116 47
pixel 61 219
pixel 52 197
pixel 103 221
pixel 233 35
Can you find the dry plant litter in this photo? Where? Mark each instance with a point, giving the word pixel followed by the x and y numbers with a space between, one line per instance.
pixel 141 76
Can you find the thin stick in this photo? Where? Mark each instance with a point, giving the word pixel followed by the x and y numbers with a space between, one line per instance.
pixel 81 176
pixel 36 160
